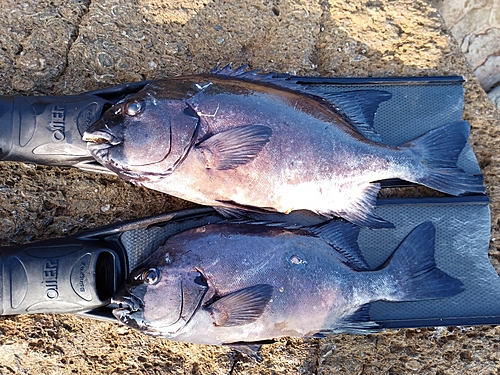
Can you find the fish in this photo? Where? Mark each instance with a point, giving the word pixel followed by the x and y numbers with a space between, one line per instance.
pixel 242 141
pixel 247 283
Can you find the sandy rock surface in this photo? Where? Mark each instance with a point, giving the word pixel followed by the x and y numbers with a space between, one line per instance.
pixel 476 26
pixel 65 47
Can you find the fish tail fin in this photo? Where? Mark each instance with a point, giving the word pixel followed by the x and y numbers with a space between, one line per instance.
pixel 413 268
pixel 438 151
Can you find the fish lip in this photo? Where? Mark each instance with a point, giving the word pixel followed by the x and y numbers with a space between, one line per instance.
pixel 128 303
pixel 101 139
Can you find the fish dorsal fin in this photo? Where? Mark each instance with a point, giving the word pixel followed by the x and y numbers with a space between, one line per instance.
pixel 241 307
pixel 254 75
pixel 234 147
pixel 358 106
pixel 343 237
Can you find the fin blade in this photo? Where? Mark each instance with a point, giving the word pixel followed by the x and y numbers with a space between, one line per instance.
pixel 234 147
pixel 414 268
pixel 439 150
pixel 241 307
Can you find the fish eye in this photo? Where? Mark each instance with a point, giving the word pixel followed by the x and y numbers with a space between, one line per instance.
pixel 133 108
pixel 151 276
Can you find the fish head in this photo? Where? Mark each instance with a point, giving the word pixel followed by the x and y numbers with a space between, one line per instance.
pixel 160 299
pixel 145 134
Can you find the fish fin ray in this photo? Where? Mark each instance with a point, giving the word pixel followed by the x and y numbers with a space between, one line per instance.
pixel 254 75
pixel 413 267
pixel 439 150
pixel 357 323
pixel 251 349
pixel 241 307
pixel 360 211
pixel 230 212
pixel 234 147
pixel 343 237
pixel 359 108
pixel 231 209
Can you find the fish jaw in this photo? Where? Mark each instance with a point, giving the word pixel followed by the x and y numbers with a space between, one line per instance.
pixel 131 313
pixel 131 310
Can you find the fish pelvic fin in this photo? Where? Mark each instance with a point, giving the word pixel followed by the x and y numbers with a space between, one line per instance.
pixel 439 150
pixel 360 209
pixel 234 147
pixel 413 268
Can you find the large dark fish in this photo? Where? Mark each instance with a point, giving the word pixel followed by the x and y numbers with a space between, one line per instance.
pixel 242 283
pixel 240 140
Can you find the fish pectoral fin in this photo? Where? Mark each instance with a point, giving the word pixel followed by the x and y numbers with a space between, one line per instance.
pixel 234 147
pixel 241 307
pixel 360 209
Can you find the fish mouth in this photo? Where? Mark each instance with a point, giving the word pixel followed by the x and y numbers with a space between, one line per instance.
pixel 99 143
pixel 128 302
pixel 131 313
pixel 101 139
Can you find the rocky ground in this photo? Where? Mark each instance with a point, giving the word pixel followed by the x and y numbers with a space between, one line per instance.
pixel 60 47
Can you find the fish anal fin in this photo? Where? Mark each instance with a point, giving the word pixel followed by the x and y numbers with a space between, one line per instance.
pixel 241 307
pixel 234 147
pixel 357 323
pixel 360 209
